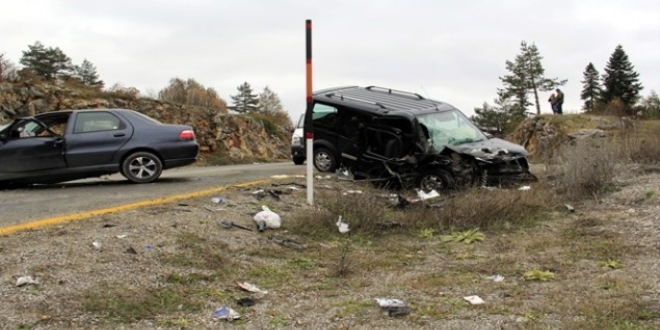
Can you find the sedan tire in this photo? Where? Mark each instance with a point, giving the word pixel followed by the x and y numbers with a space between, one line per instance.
pixel 141 167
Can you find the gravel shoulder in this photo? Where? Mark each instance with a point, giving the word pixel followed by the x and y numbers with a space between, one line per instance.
pixel 171 266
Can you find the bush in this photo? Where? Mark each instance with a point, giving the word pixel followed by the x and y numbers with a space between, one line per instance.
pixel 588 167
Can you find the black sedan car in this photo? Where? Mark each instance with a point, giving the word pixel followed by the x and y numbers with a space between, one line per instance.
pixel 62 146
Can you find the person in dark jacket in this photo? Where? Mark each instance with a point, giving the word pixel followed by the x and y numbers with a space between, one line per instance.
pixel 559 101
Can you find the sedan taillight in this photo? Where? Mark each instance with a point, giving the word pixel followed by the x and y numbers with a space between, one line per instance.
pixel 187 135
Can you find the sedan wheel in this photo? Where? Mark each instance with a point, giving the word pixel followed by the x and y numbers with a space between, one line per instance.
pixel 324 160
pixel 142 167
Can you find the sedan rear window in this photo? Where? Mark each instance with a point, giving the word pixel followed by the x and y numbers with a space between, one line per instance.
pixel 97 121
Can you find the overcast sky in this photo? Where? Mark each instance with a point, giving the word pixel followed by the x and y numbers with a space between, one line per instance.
pixel 452 51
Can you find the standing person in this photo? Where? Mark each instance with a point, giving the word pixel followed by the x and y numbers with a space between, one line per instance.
pixel 559 101
pixel 552 101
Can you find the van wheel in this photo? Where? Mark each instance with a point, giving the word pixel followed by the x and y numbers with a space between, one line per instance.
pixel 324 160
pixel 298 161
pixel 435 179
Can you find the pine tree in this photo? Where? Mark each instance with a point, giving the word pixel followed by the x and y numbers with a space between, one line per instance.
pixel 620 79
pixel 269 102
pixel 591 89
pixel 499 118
pixel 527 75
pixel 86 73
pixel 245 101
pixel 49 63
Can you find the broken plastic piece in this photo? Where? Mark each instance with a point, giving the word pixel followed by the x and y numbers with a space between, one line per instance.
pixel 279 176
pixel 249 287
pixel 569 208
pixel 226 313
pixel 525 188
pixel 496 278
pixel 389 302
pixel 218 200
pixel 245 302
pixel 352 192
pixel 474 300
pixel 26 280
pixel 96 244
pixel 343 226
pixel 121 236
pixel 424 196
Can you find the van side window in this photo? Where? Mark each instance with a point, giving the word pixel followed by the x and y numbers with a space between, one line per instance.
pixel 324 115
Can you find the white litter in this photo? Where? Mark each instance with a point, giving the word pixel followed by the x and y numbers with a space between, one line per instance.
pixel 217 200
pixel 293 188
pixel 525 188
pixel 496 278
pixel 390 303
pixel 226 313
pixel 424 196
pixel 96 244
pixel 474 300
pixel 249 287
pixel 121 236
pixel 267 219
pixel 257 192
pixel 26 280
pixel 343 226
pixel 352 192
pixel 279 176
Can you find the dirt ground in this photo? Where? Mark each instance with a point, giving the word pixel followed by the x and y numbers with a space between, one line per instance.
pixel 172 266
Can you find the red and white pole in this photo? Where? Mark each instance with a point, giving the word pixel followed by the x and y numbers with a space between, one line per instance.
pixel 309 123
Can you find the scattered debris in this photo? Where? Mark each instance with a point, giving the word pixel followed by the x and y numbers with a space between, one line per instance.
pixel 352 192
pixel 26 280
pixel 245 302
pixel 96 244
pixel 289 184
pixel 394 307
pixel 496 278
pixel 267 219
pixel 474 300
pixel 121 236
pixel 424 196
pixel 217 200
pixel 288 243
pixel 279 176
pixel 108 225
pixel 226 313
pixel 131 250
pixel 183 204
pixel 569 208
pixel 213 209
pixel 292 188
pixel 249 287
pixel 523 188
pixel 343 226
pixel 148 247
pixel 228 224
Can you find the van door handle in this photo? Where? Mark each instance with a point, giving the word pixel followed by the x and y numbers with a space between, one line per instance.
pixel 119 134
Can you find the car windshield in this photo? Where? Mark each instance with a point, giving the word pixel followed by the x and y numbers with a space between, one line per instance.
pixel 450 128
pixel 2 127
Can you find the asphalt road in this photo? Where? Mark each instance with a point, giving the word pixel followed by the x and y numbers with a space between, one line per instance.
pixel 44 201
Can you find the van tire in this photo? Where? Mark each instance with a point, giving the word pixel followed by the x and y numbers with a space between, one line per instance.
pixel 324 160
pixel 435 179
pixel 298 161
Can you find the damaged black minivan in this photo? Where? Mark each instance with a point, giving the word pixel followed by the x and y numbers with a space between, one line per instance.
pixel 406 139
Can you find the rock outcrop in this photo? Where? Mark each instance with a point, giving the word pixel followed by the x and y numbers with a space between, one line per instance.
pixel 237 137
pixel 543 135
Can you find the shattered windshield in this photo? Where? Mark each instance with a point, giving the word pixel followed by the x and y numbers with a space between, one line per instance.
pixel 449 128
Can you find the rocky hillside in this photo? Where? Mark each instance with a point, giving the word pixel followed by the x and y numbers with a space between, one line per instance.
pixel 234 138
pixel 543 135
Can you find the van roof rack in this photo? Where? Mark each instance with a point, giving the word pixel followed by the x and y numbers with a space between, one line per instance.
pixel 393 91
pixel 344 97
